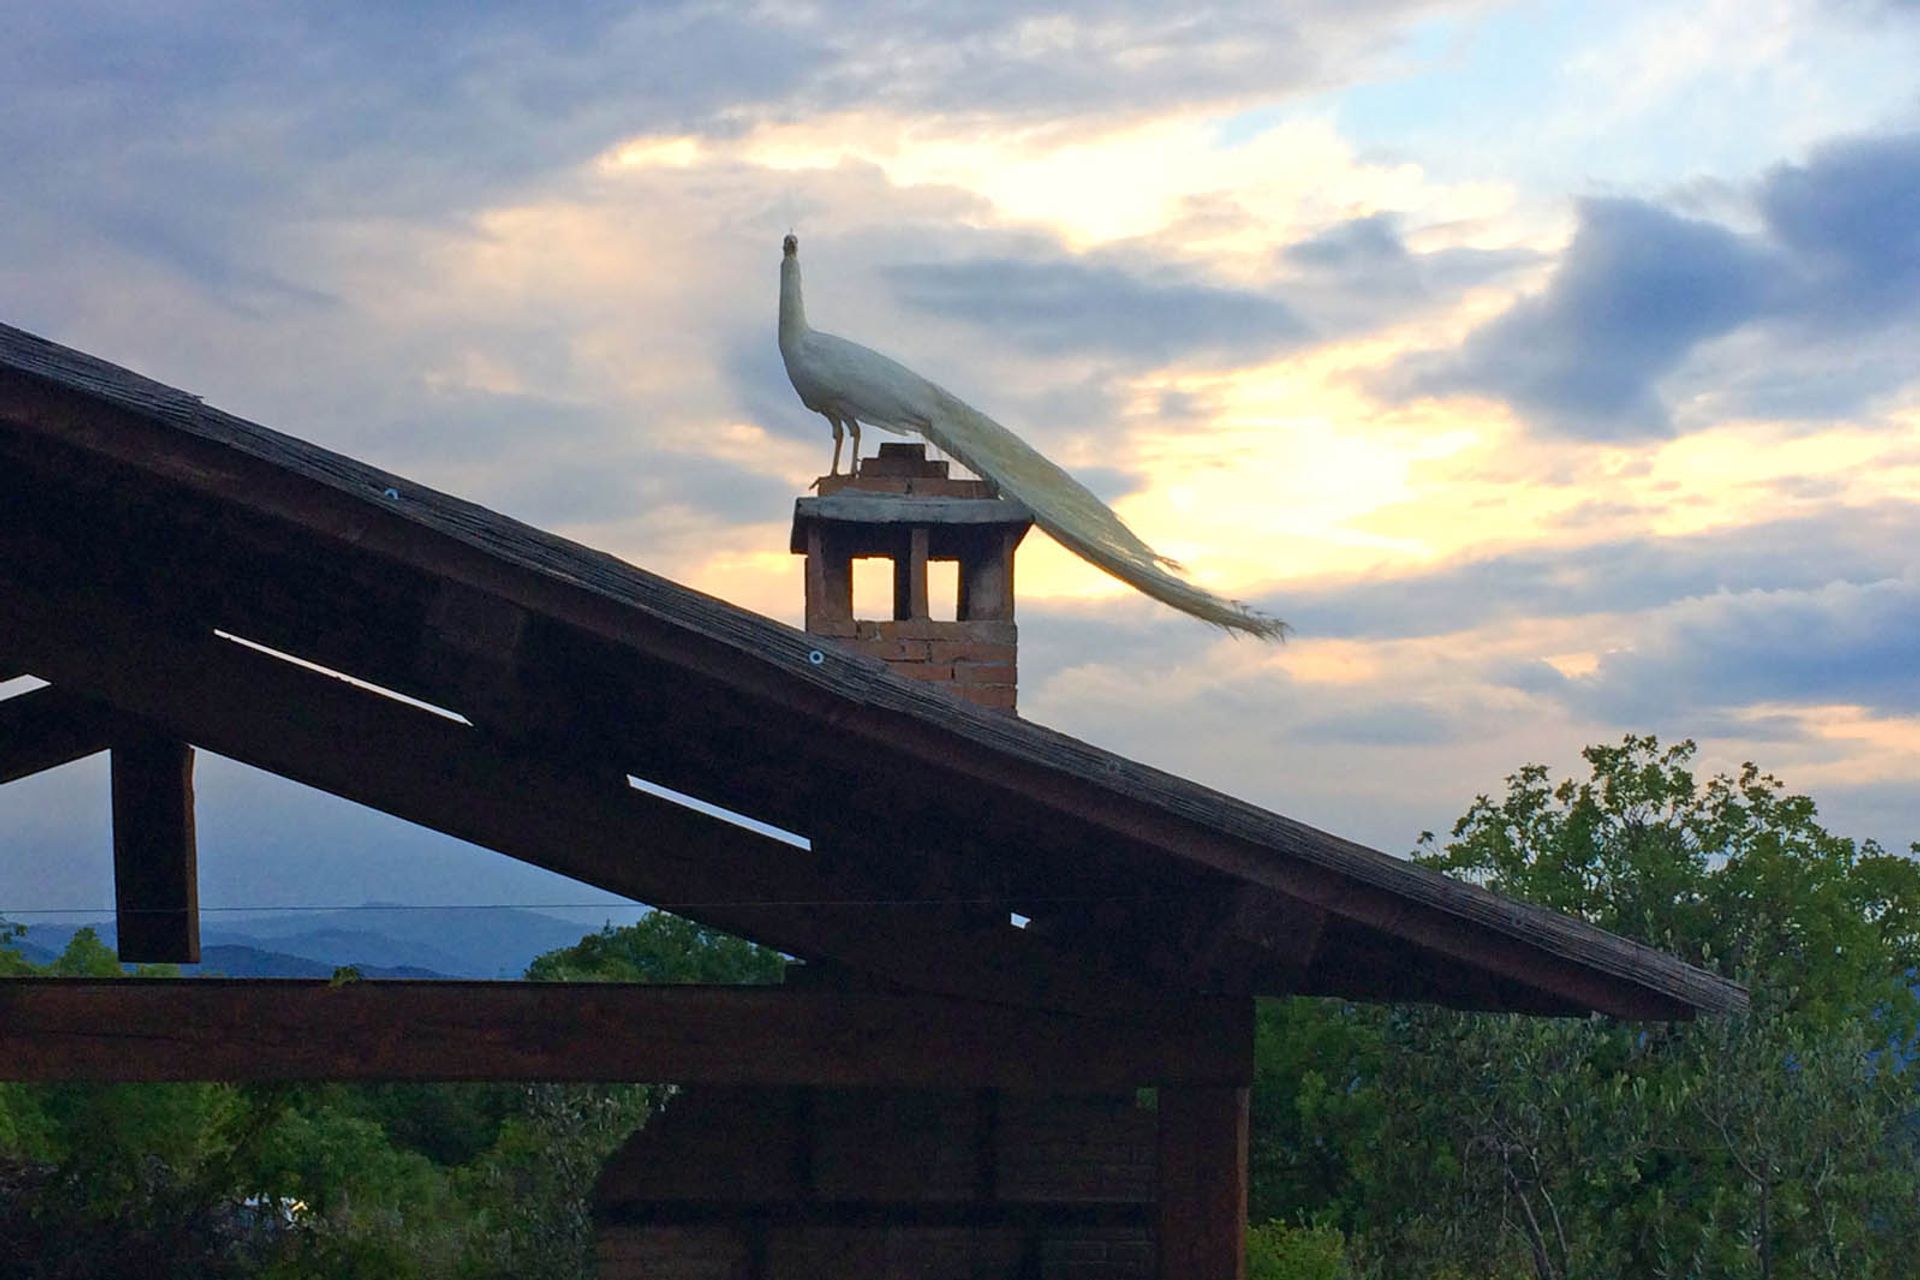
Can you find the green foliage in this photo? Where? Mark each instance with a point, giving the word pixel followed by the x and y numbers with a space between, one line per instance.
pixel 434 1182
pixel 12 963
pixel 1780 1143
pixel 531 1189
pixel 1735 874
pixel 1276 1251
pixel 85 957
pixel 1314 1106
pixel 660 948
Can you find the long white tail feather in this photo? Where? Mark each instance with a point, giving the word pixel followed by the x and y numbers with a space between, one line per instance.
pixel 1076 518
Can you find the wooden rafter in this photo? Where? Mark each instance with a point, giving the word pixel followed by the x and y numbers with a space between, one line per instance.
pixel 565 816
pixel 46 728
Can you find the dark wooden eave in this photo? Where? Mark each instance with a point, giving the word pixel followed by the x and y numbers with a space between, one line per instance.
pixel 135 522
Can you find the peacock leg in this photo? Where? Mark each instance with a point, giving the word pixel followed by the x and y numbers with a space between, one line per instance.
pixel 839 434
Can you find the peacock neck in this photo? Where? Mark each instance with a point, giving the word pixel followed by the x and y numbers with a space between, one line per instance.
pixel 793 308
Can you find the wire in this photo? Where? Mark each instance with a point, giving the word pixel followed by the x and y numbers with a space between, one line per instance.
pixel 609 906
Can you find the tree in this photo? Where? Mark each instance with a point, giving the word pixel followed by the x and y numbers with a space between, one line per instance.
pixel 436 1181
pixel 532 1188
pixel 660 948
pixel 1773 1144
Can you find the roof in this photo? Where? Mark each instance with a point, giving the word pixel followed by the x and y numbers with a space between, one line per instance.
pixel 141 529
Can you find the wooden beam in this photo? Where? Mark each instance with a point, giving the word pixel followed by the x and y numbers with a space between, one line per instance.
pixel 564 815
pixel 156 885
pixel 258 1029
pixel 1212 935
pixel 49 727
pixel 1203 1183
pixel 1286 928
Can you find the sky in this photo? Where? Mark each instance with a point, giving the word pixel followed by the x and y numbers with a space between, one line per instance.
pixel 1551 367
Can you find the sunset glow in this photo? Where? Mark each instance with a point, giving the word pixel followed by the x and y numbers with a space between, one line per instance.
pixel 1551 368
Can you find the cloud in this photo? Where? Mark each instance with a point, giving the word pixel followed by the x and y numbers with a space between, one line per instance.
pixel 1360 273
pixel 1885 811
pixel 1004 59
pixel 1850 216
pixel 1146 311
pixel 188 138
pixel 1635 292
pixel 1397 723
pixel 1844 643
pixel 1087 306
pixel 1843 545
pixel 1819 307
pixel 193 140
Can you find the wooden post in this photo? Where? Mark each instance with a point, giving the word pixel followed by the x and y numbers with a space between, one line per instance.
pixel 1203 1183
pixel 156 889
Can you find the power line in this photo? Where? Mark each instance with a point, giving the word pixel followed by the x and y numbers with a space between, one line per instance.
pixel 737 903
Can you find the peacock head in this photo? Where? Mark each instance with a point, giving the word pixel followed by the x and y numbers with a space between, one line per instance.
pixel 790 246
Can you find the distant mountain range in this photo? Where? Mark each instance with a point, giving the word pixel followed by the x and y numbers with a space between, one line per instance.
pixel 380 940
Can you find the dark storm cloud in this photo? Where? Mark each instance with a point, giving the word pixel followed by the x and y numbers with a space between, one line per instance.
pixel 183 136
pixel 1848 643
pixel 1625 575
pixel 1829 290
pixel 1850 216
pixel 1369 254
pixel 1635 292
pixel 1360 273
pixel 1345 279
pixel 186 134
pixel 1075 305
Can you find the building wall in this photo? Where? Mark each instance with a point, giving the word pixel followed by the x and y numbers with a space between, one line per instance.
pixel 818 1184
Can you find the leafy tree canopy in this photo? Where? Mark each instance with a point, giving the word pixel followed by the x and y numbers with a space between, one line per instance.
pixel 1776 1144
pixel 660 948
pixel 1734 873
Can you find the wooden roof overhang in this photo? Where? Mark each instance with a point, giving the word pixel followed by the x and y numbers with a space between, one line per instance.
pixel 141 531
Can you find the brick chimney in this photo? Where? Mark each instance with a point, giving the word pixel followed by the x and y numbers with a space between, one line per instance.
pixel 903 507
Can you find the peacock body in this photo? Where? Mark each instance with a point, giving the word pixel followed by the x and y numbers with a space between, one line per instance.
pixel 851 385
